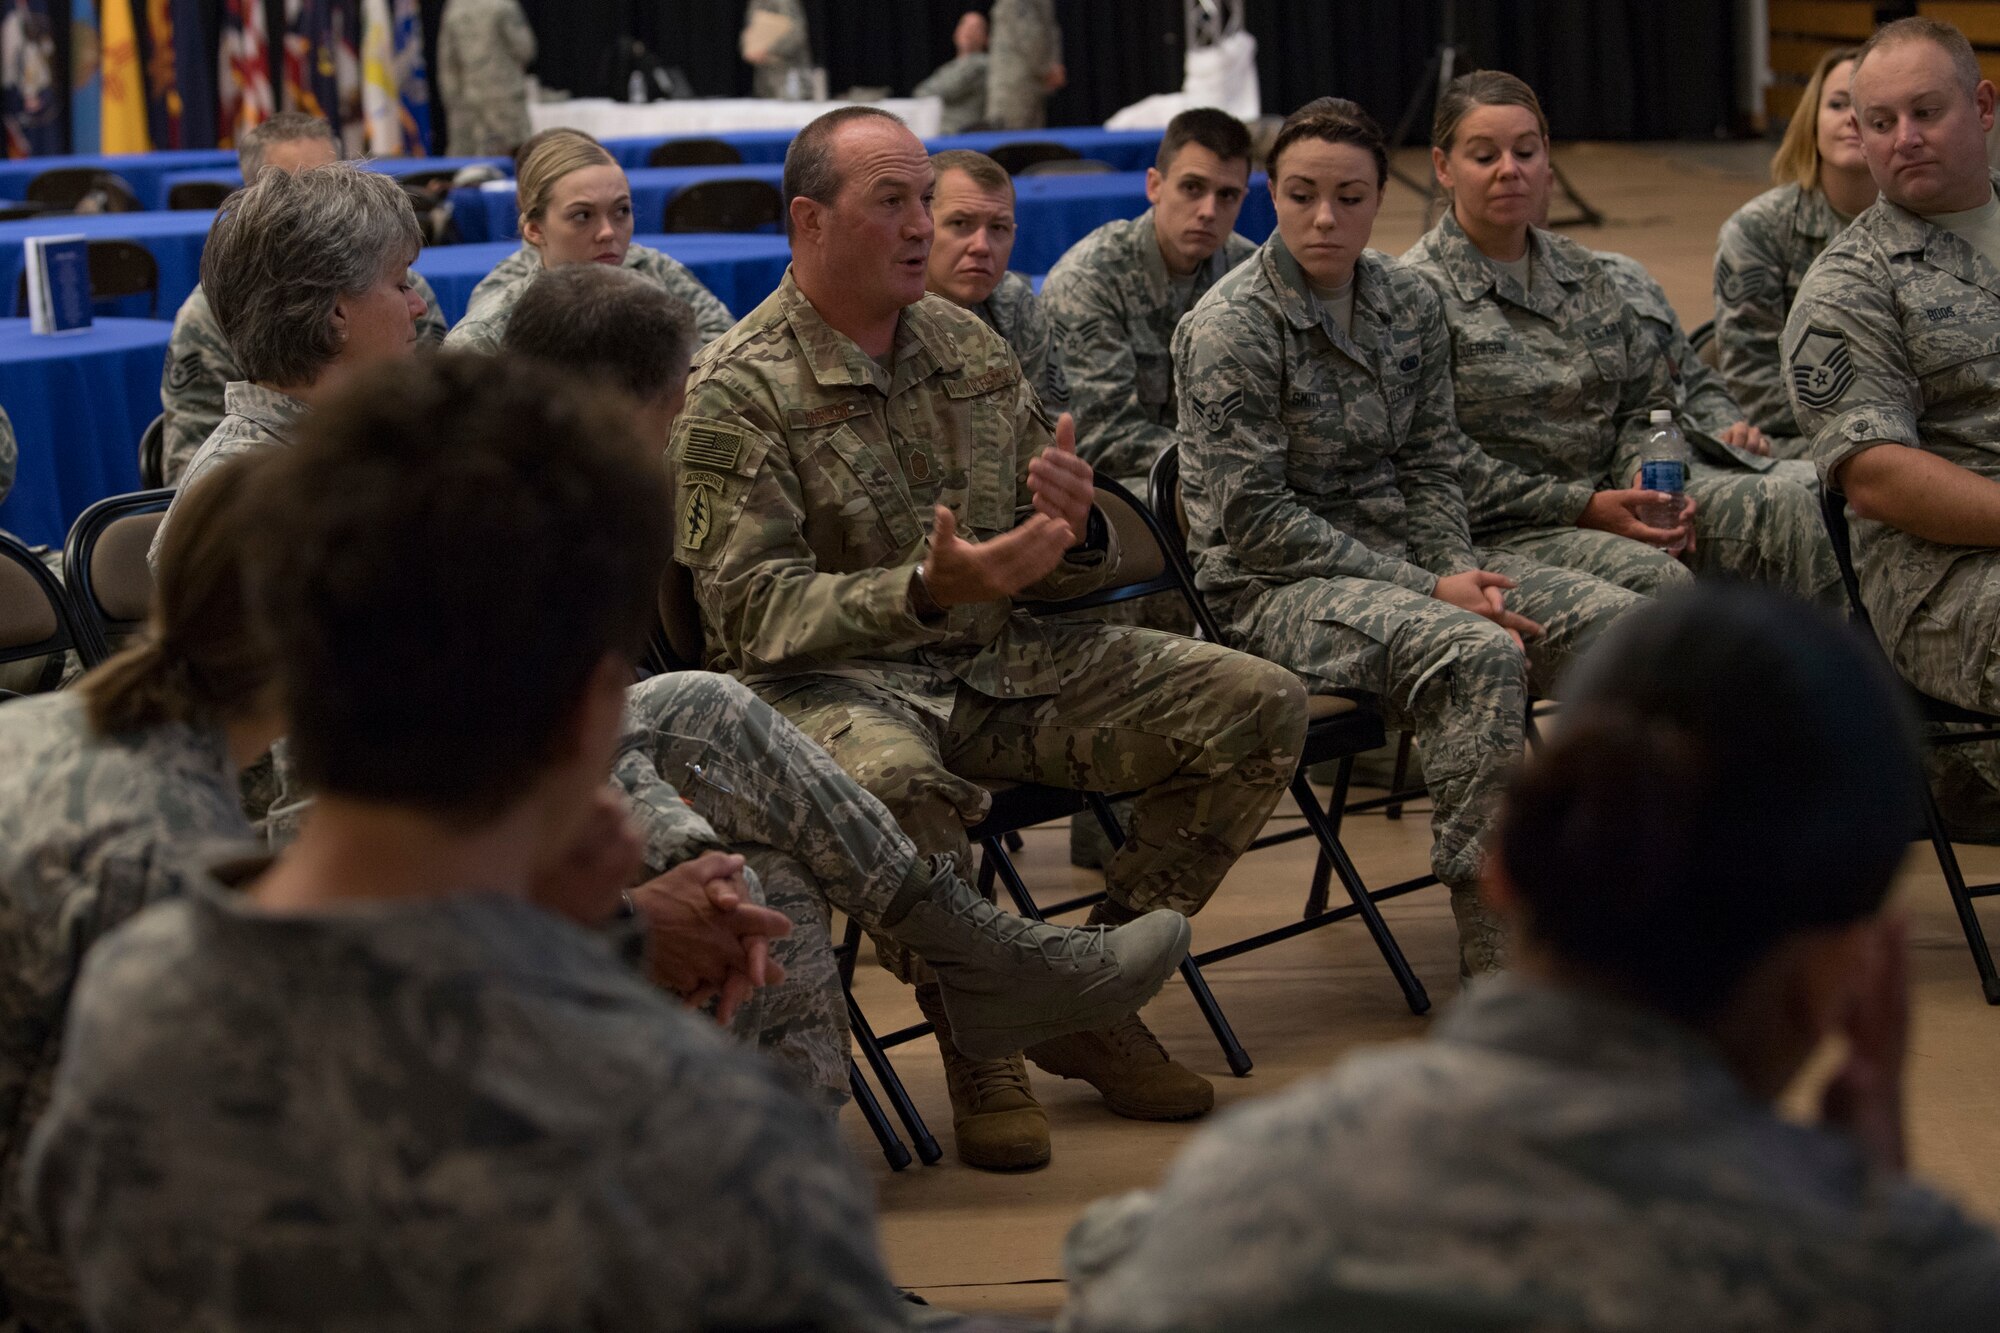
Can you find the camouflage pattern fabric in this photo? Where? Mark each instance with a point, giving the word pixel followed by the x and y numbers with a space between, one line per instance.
pixel 1555 385
pixel 462 1112
pixel 807 474
pixel 1113 311
pixel 1547 1159
pixel 10 453
pixel 960 83
pixel 792 53
pixel 492 303
pixel 1320 474
pixel 483 53
pixel 254 418
pixel 1761 259
pixel 200 364
pixel 1015 313
pixel 92 829
pixel 1026 42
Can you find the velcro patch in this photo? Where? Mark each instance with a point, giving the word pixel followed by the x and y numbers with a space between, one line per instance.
pixel 711 446
pixel 813 418
pixel 1822 369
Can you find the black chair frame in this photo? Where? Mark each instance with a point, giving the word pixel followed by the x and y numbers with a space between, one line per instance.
pixel 98 628
pixel 694 152
pixel 68 636
pixel 1022 153
pixel 1933 713
pixel 740 205
pixel 153 454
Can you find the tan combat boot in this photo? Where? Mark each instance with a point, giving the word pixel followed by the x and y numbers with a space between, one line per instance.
pixel 1125 1061
pixel 995 1119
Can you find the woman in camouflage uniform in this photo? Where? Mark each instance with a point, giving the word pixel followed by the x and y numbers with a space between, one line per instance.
pixel 1767 245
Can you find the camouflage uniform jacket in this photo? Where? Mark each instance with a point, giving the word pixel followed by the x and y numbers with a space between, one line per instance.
pixel 1026 42
pixel 1761 257
pixel 492 301
pixel 1310 453
pixel 483 53
pixel 10 453
pixel 455 1113
pixel 806 476
pixel 1891 340
pixel 1113 310
pixel 960 83
pixel 92 829
pixel 1015 313
pixel 200 363
pixel 257 418
pixel 792 52
pixel 1546 1160
pixel 1553 385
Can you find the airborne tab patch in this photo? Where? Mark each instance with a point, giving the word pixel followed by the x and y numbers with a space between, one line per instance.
pixel 711 447
pixel 1821 367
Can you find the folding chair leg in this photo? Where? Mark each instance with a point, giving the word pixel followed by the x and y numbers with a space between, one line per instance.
pixel 1968 917
pixel 878 1124
pixel 1396 778
pixel 1336 810
pixel 892 1085
pixel 1392 953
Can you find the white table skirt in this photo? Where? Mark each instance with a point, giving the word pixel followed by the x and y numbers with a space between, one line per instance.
pixel 606 119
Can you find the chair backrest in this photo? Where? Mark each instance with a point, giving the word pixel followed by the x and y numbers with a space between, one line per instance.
pixel 677 643
pixel 35 616
pixel 694 153
pixel 1703 342
pixel 1145 566
pixel 1014 157
pixel 153 454
pixel 190 196
pixel 740 205
pixel 437 180
pixel 1163 492
pixel 17 209
pixel 117 269
pixel 83 190
pixel 1067 166
pixel 104 567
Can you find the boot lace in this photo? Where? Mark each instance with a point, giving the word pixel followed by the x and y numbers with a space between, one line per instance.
pixel 991 1078
pixel 1133 1040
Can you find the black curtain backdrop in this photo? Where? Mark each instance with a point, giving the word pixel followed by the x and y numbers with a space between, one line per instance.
pixel 1605 69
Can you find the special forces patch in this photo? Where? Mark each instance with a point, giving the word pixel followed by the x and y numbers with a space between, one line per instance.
pixel 1214 413
pixel 1822 369
pixel 699 492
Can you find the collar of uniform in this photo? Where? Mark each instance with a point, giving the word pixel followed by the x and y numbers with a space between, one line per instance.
pixel 275 412
pixel 1812 215
pixel 922 344
pixel 1902 232
pixel 1474 277
pixel 1303 311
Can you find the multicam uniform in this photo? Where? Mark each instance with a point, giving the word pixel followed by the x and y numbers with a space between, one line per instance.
pixel 1761 258
pixel 1320 474
pixel 492 302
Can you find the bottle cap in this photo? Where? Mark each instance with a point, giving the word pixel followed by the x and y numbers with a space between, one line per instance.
pixel 1661 417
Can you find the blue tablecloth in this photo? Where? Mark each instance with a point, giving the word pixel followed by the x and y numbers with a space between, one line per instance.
pixel 491 214
pixel 1124 150
pixel 740 270
pixel 79 403
pixel 1052 213
pixel 757 146
pixel 175 240
pixel 144 172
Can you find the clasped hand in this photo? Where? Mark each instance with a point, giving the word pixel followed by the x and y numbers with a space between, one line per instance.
pixel 1485 594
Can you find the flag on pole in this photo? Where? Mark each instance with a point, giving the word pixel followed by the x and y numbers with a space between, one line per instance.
pixel 351 124
pixel 124 123
pixel 395 100
pixel 30 105
pixel 243 71
pixel 163 88
pixel 310 86
pixel 194 73
pixel 86 89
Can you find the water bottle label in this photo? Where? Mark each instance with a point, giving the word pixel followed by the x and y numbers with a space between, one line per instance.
pixel 1668 475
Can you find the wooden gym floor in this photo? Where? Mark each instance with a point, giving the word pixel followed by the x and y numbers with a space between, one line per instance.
pixel 973 1240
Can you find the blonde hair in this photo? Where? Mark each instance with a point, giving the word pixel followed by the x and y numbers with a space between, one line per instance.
pixel 1797 160
pixel 544 160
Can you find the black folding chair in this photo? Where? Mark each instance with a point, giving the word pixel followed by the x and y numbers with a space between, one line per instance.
pixel 1067 166
pixel 83 190
pixel 35 615
pixel 1933 713
pixel 724 205
pixel 117 269
pixel 1017 157
pixel 153 454
pixel 694 153
pixel 1703 342
pixel 105 569
pixel 197 196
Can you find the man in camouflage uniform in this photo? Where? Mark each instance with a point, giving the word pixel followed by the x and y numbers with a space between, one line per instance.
pixel 484 50
pixel 1554 383
pixel 1115 297
pixel 199 360
pixel 1319 468
pixel 1026 64
pixel 974 212
pixel 493 300
pixel 835 443
pixel 960 83
pixel 786 67
pixel 1885 356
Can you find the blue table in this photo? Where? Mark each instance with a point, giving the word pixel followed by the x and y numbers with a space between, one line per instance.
pixel 394 166
pixel 490 213
pixel 740 270
pixel 79 403
pixel 757 146
pixel 1123 150
pixel 144 172
pixel 1052 213
pixel 175 240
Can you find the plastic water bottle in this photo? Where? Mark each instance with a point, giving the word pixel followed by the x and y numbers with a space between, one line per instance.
pixel 1663 467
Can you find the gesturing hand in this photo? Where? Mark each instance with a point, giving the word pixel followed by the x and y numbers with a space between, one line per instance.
pixel 1617 512
pixel 1062 485
pixel 1484 594
pixel 584 882
pixel 958 572
pixel 704 938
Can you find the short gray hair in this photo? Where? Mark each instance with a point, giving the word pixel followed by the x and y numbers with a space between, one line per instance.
pixel 611 323
pixel 1964 62
pixel 810 169
pixel 284 249
pixel 285 127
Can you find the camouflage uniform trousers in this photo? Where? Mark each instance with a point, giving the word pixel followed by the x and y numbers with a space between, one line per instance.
pixel 481 129
pixel 1630 564
pixel 1764 527
pixel 1454 678
pixel 1951 650
pixel 1207 737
